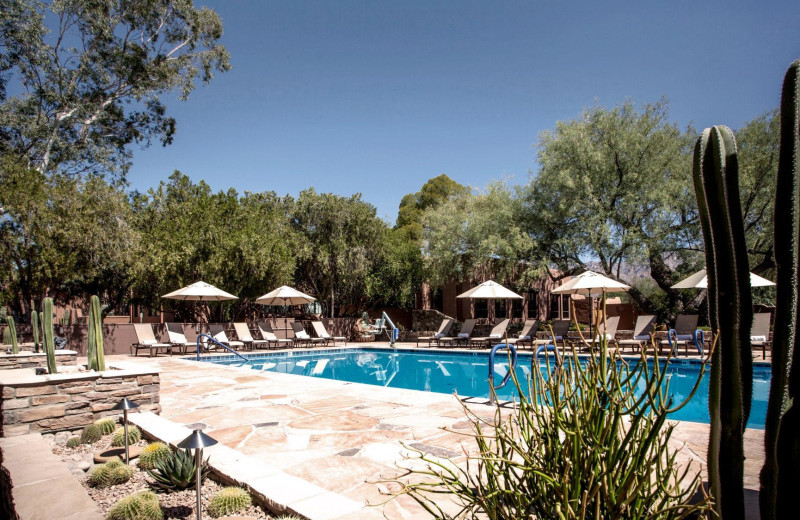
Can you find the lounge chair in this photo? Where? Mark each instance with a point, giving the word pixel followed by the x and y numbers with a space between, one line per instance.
pixel 527 334
pixel 243 335
pixel 267 334
pixel 496 334
pixel 322 332
pixel 177 337
pixel 145 339
pixel 444 330
pixel 759 332
pixel 607 329
pixel 218 333
pixel 684 332
pixel 560 329
pixel 301 336
pixel 463 335
pixel 641 333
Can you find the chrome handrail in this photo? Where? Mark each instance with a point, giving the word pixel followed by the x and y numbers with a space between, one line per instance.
pixel 218 343
pixel 512 366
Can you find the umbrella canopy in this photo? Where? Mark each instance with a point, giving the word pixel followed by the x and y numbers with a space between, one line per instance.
pixel 285 295
pixel 590 283
pixel 699 280
pixel 490 290
pixel 201 292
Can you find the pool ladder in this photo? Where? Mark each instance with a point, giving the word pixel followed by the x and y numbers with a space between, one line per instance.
pixel 212 340
pixel 512 366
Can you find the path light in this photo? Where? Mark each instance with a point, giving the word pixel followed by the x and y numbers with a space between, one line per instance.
pixel 125 405
pixel 197 441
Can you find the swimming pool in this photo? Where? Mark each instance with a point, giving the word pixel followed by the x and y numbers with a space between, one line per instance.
pixel 466 373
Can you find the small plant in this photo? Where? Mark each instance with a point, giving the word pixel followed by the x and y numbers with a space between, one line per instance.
pixel 177 471
pixel 118 438
pixel 152 453
pixel 141 506
pixel 91 434
pixel 228 501
pixel 107 425
pixel 111 473
pixel 73 442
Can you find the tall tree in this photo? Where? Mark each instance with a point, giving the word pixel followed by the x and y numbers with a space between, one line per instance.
pixel 614 187
pixel 434 192
pixel 341 240
pixel 82 94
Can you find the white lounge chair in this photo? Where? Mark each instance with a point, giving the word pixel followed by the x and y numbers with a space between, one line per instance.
pixel 641 332
pixel 444 330
pixel 270 337
pixel 243 335
pixel 145 339
pixel 177 337
pixel 322 332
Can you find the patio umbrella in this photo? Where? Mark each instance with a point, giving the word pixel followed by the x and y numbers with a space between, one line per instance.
pixel 200 292
pixel 699 280
pixel 490 290
pixel 592 284
pixel 285 295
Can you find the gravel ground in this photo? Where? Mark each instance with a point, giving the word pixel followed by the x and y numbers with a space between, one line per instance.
pixel 175 505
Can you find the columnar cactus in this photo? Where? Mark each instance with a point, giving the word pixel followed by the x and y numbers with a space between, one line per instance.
pixel 716 180
pixel 12 330
pixel 47 331
pixel 35 327
pixel 94 350
pixel 780 475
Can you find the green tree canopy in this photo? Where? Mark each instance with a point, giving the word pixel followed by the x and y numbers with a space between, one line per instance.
pixel 85 77
pixel 434 192
pixel 614 187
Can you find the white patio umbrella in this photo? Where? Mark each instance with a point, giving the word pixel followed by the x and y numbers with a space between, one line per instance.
pixel 699 280
pixel 200 292
pixel 592 284
pixel 490 290
pixel 285 295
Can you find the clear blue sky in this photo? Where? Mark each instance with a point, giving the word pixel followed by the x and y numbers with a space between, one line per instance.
pixel 377 97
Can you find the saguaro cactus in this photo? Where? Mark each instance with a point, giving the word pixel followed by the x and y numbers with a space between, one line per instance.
pixel 716 180
pixel 780 476
pixel 47 331
pixel 94 350
pixel 12 332
pixel 35 327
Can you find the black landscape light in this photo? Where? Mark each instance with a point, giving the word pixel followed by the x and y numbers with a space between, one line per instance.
pixel 125 405
pixel 197 441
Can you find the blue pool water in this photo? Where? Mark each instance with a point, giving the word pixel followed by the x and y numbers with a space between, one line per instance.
pixel 467 373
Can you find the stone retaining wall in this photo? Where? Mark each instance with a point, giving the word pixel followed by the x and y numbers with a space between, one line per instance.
pixel 59 402
pixel 31 360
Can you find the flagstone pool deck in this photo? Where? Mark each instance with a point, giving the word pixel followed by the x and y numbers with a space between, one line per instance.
pixel 342 439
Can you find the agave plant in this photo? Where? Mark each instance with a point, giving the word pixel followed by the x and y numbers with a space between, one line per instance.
pixel 177 471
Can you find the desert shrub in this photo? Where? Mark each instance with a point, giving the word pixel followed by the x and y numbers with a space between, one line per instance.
pixel 106 424
pixel 141 506
pixel 177 471
pixel 227 501
pixel 91 434
pixel 152 453
pixel 585 443
pixel 118 437
pixel 73 442
pixel 111 473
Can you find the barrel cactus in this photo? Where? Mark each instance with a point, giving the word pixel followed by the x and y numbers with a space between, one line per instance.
pixel 91 434
pixel 35 327
pixel 716 180
pixel 134 436
pixel 73 442
pixel 107 425
pixel 12 334
pixel 228 501
pixel 110 474
pixel 94 351
pixel 6 336
pixel 152 453
pixel 141 506
pixel 49 334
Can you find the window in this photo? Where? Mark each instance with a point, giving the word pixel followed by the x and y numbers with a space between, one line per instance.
pixel 500 309
pixel 559 307
pixel 516 308
pixel 481 309
pixel 533 304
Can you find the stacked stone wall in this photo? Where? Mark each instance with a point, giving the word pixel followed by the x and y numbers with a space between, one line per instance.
pixel 67 402
pixel 31 360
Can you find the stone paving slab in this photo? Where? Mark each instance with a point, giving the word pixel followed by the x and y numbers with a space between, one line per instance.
pixel 42 486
